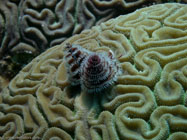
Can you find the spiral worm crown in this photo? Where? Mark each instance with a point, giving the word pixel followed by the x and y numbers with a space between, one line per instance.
pixel 93 71
pixel 74 55
pixel 98 72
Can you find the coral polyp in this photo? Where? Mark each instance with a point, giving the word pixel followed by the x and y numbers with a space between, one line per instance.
pixel 98 72
pixel 94 71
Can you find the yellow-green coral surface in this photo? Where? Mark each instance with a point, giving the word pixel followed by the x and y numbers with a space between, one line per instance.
pixel 148 102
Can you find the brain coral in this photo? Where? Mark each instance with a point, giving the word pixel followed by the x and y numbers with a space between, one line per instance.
pixel 34 25
pixel 28 27
pixel 148 102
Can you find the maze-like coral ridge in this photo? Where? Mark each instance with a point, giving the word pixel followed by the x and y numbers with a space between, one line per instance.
pixel 29 27
pixel 35 25
pixel 32 26
pixel 148 102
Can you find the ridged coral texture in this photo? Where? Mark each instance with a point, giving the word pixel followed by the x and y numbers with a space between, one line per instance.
pixel 35 25
pixel 29 27
pixel 147 102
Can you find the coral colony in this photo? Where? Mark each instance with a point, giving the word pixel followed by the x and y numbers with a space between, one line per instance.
pixel 94 71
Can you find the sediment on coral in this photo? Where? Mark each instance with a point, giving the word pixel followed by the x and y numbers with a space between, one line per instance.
pixel 147 102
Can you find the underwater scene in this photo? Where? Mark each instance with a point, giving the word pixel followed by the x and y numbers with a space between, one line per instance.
pixel 93 70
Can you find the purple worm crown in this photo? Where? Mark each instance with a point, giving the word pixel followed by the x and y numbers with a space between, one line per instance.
pixel 94 71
